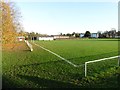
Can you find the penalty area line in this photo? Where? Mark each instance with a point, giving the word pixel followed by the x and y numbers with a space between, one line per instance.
pixel 56 55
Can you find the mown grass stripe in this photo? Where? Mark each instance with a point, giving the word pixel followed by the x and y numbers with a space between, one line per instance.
pixel 56 55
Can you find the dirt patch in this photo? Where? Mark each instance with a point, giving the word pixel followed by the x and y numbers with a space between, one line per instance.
pixel 18 46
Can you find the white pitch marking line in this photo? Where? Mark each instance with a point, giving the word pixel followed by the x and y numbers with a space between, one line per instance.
pixel 57 55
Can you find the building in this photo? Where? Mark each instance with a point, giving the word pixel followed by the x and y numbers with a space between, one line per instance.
pixel 94 35
pixel 20 38
pixel 117 35
pixel 60 37
pixel 46 38
pixel 82 35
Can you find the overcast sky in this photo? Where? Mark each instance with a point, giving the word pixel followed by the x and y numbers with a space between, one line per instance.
pixel 67 17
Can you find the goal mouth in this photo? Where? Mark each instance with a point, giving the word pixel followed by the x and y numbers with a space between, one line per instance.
pixel 105 62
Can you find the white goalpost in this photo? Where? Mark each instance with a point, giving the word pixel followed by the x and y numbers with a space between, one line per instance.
pixel 100 60
pixel 29 45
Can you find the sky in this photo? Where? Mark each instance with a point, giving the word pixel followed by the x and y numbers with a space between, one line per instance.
pixel 66 17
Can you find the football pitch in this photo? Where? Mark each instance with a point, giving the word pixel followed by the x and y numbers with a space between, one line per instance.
pixel 80 51
pixel 44 68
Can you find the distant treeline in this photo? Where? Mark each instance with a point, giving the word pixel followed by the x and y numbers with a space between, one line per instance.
pixel 106 34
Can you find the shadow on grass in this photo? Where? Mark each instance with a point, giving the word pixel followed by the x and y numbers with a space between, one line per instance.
pixel 118 80
pixel 35 64
pixel 83 59
pixel 47 83
pixel 27 50
pixel 7 83
pixel 61 71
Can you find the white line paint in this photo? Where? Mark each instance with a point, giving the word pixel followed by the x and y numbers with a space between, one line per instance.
pixel 56 55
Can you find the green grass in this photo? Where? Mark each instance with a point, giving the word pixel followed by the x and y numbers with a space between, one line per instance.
pixel 42 69
pixel 79 51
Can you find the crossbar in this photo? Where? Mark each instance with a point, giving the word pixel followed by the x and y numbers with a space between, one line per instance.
pixel 102 59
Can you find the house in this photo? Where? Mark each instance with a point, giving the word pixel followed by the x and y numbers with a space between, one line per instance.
pixel 117 35
pixel 46 38
pixel 94 35
pixel 60 37
pixel 20 38
pixel 81 35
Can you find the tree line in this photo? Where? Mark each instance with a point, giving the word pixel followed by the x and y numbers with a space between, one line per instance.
pixel 106 34
pixel 109 34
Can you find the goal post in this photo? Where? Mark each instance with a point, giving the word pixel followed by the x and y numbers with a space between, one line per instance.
pixel 29 45
pixel 119 61
pixel 100 60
